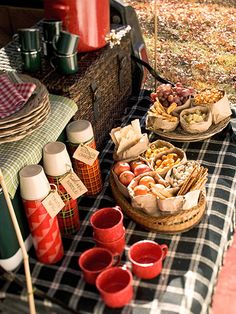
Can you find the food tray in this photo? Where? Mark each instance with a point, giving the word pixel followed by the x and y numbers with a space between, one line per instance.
pixel 176 223
pixel 179 135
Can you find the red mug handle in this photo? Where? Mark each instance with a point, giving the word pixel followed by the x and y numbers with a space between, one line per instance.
pixel 116 260
pixel 164 249
pixel 117 207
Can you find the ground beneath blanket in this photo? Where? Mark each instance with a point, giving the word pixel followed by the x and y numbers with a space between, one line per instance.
pixel 195 42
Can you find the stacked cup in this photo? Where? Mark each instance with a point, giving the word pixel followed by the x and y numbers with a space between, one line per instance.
pixel 115 284
pixel 108 229
pixel 51 31
pixel 57 165
pixel 65 49
pixel 34 187
pixel 29 45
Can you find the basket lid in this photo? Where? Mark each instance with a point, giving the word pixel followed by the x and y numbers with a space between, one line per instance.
pixel 79 131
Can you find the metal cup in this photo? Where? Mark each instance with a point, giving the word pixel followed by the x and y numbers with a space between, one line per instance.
pixel 28 38
pixel 65 64
pixel 51 29
pixel 31 61
pixel 48 49
pixel 66 44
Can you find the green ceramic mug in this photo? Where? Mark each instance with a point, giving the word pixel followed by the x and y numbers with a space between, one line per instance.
pixel 48 49
pixel 65 64
pixel 51 29
pixel 66 43
pixel 31 61
pixel 28 39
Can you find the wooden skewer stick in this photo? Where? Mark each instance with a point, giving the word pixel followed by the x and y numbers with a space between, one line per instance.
pixel 155 40
pixel 22 245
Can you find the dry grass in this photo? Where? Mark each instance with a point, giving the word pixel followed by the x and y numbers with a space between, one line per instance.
pixel 196 41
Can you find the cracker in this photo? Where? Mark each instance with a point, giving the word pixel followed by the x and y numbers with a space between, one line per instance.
pixel 188 181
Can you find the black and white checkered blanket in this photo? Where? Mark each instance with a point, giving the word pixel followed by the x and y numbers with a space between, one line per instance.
pixel 190 270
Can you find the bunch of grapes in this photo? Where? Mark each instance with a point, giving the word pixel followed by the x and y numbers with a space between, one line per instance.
pixel 168 94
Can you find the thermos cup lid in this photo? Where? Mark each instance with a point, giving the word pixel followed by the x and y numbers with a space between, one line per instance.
pixel 79 131
pixel 56 160
pixel 34 184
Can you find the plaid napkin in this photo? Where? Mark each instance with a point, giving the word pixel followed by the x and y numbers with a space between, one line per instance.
pixel 13 96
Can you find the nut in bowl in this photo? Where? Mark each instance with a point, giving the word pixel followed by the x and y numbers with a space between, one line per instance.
pixel 179 173
pixel 187 191
pixel 196 120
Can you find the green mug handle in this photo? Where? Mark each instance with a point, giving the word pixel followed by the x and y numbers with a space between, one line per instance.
pixel 52 60
pixel 54 43
pixel 15 38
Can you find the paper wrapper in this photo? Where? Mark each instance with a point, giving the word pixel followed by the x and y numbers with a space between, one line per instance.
pixel 182 202
pixel 147 203
pixel 157 123
pixel 197 127
pixel 133 151
pixel 178 109
pixel 45 232
pixel 220 110
pixel 159 144
pixel 181 154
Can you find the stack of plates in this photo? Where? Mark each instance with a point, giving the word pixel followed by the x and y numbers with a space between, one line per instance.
pixel 30 117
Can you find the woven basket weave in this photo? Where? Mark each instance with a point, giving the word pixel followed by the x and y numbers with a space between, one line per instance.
pixel 100 88
pixel 183 221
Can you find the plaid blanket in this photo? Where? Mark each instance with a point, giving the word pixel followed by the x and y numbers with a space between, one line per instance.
pixel 192 264
pixel 13 96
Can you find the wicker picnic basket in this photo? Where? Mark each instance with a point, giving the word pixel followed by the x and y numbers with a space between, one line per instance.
pixel 101 87
pixel 180 222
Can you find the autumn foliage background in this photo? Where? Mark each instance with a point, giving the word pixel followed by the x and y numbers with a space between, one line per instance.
pixel 196 41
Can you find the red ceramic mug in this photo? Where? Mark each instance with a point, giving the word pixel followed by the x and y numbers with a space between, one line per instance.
pixel 146 258
pixel 116 247
pixel 115 286
pixel 94 261
pixel 107 224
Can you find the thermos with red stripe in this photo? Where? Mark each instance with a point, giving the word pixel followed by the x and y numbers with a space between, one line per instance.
pixel 57 164
pixel 80 132
pixel 34 187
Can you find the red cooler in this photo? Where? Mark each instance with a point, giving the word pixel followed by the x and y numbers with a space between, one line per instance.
pixel 90 19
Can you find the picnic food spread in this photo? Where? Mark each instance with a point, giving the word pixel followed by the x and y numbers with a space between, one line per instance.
pixel 185 111
pixel 159 180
